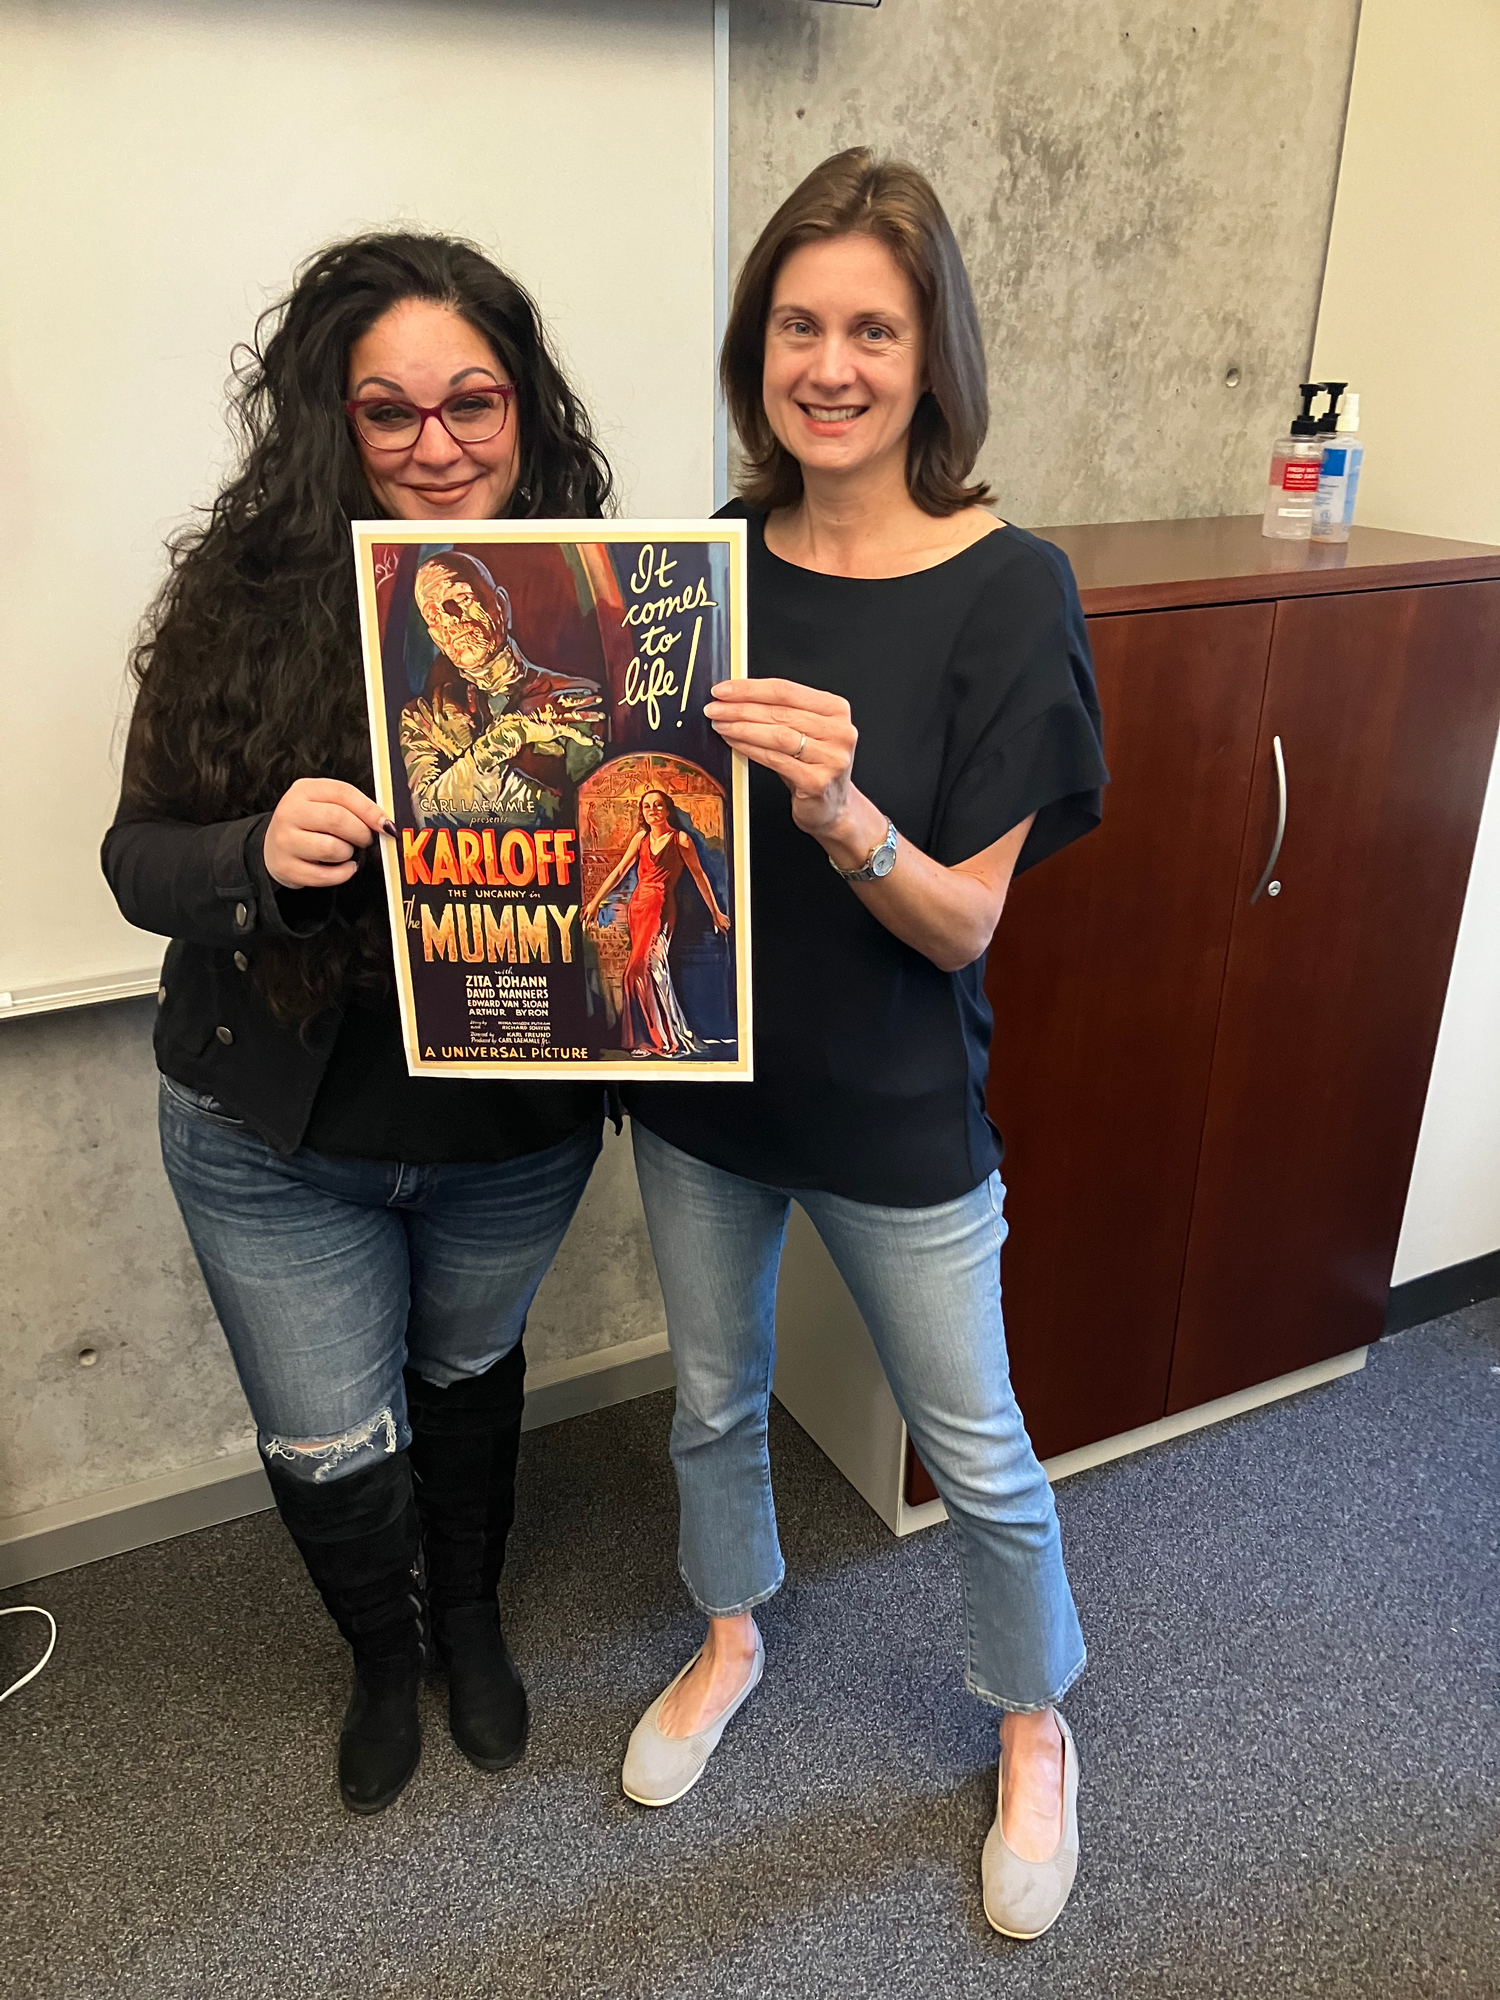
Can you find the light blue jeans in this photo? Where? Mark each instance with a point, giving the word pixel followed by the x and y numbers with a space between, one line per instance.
pixel 927 1282
pixel 331 1275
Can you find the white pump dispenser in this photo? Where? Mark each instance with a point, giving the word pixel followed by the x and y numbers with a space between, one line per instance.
pixel 1338 476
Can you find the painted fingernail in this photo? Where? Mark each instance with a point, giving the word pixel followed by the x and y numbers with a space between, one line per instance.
pixel 388 826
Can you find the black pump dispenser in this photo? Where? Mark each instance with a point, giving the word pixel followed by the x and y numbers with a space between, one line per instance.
pixel 1296 467
pixel 1307 424
pixel 1328 423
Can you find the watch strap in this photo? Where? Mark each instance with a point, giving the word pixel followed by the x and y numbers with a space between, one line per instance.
pixel 869 873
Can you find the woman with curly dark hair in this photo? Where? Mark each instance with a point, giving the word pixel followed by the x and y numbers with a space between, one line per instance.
pixel 371 1241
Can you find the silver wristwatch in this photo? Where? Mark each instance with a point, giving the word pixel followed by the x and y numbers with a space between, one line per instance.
pixel 878 863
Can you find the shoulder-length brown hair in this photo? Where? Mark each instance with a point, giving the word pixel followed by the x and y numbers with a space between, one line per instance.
pixel 854 194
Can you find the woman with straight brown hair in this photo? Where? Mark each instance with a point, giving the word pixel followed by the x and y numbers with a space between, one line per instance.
pixel 923 724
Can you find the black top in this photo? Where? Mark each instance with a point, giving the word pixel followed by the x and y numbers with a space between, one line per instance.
pixel 370 1107
pixel 972 690
pixel 339 1083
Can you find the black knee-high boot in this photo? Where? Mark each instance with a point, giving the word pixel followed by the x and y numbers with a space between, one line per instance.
pixel 464 1442
pixel 360 1539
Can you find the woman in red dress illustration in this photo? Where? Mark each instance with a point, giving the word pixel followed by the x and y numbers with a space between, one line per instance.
pixel 651 1018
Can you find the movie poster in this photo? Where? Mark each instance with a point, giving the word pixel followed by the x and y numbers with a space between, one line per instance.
pixel 568 886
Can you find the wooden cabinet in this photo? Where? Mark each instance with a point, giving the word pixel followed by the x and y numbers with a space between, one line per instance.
pixel 1105 981
pixel 1211 1104
pixel 1384 703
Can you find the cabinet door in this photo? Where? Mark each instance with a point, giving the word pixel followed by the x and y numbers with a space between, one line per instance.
pixel 1105 977
pixel 1385 703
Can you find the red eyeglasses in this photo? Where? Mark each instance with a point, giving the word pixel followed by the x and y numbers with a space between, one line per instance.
pixel 471 416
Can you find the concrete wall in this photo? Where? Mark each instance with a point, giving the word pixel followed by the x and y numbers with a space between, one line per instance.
pixel 96 1260
pixel 1419 195
pixel 1142 189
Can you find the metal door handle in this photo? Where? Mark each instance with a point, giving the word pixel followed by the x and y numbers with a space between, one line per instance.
pixel 1280 818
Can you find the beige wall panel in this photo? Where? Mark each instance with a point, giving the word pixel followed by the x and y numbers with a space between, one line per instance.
pixel 1410 308
pixel 1142 192
pixel 1411 298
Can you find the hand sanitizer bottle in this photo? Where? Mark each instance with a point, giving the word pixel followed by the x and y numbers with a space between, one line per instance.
pixel 1338 477
pixel 1293 487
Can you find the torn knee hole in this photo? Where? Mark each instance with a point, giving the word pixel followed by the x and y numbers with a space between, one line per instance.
pixel 324 1458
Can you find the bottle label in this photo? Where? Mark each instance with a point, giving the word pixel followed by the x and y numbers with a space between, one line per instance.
pixel 1300 475
pixel 1335 457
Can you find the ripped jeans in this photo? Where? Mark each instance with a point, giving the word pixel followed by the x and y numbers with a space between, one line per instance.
pixel 330 1275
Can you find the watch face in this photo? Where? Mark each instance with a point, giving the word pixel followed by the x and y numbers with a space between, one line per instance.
pixel 883 860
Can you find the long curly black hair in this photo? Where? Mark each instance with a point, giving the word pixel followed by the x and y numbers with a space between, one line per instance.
pixel 248 663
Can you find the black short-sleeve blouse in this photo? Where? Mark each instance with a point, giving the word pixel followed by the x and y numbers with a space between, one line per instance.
pixel 972 690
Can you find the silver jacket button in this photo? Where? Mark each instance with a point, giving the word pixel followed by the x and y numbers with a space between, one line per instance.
pixel 225 1035
pixel 241 961
pixel 161 994
pixel 242 916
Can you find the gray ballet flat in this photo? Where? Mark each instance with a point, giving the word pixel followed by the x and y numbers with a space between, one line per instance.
pixel 1024 1898
pixel 659 1769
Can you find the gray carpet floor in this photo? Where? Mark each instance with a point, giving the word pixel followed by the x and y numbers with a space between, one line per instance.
pixel 1288 1734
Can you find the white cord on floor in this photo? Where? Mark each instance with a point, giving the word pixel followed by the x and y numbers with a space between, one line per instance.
pixel 14 1611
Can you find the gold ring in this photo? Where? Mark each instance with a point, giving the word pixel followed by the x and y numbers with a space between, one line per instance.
pixel 801 746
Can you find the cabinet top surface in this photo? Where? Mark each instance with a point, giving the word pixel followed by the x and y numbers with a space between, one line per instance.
pixel 1153 565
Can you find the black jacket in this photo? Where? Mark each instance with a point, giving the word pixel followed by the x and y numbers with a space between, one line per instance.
pixel 207 889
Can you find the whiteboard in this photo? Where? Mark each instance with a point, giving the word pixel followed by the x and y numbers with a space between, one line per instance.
pixel 163 170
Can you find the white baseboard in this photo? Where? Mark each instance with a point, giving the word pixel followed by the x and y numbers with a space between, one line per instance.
pixel 201 1496
pixel 561 1389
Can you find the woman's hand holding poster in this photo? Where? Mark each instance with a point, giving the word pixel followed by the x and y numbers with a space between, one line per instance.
pixel 568 883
